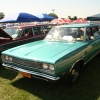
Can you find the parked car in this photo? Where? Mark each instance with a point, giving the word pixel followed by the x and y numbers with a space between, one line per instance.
pixel 60 55
pixel 16 35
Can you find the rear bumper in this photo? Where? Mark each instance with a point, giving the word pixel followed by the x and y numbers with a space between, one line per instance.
pixel 33 73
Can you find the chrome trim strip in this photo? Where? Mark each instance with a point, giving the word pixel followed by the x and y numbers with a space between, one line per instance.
pixel 32 72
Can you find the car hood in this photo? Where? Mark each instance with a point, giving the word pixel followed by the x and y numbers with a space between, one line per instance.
pixel 43 50
pixel 4 34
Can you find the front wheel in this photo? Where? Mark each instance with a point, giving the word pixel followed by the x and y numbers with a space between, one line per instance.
pixel 74 74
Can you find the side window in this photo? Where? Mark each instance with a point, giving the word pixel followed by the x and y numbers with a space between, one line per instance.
pixel 37 30
pixel 22 33
pixel 27 32
pixel 88 33
pixel 47 28
pixel 81 31
pixel 99 28
pixel 95 31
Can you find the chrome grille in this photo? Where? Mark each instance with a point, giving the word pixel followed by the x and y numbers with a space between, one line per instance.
pixel 27 63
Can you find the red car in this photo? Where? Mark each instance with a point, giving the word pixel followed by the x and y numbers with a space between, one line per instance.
pixel 16 35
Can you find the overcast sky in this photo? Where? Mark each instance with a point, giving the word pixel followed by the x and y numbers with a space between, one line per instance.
pixel 63 8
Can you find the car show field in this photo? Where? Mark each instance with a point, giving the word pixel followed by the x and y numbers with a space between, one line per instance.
pixel 50 50
pixel 14 86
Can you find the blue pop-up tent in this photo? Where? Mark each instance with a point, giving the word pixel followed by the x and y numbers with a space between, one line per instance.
pixel 20 17
pixel 45 17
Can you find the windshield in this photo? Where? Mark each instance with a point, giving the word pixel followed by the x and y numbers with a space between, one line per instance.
pixel 13 32
pixel 66 33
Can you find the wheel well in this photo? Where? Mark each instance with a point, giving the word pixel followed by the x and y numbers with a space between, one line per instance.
pixel 81 63
pixel 77 66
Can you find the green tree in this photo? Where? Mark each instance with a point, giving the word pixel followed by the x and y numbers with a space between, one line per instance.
pixel 2 15
pixel 53 15
pixel 69 17
pixel 75 18
pixel 85 18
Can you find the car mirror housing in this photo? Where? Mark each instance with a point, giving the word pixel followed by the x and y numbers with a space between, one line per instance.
pixel 92 37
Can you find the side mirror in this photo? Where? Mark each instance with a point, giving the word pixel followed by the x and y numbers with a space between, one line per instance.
pixel 92 37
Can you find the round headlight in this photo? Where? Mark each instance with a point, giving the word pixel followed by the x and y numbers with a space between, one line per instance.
pixel 10 58
pixel 6 57
pixel 51 67
pixel 45 66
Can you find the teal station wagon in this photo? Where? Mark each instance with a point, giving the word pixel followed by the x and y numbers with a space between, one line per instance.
pixel 61 55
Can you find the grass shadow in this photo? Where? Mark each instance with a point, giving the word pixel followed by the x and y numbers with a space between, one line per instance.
pixel 7 74
pixel 87 88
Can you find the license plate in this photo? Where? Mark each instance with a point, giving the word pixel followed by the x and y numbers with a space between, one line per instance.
pixel 26 75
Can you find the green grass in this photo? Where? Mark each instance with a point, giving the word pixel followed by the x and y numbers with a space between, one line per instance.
pixel 14 87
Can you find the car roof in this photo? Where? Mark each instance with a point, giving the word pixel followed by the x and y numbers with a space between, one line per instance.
pixel 29 25
pixel 22 26
pixel 79 25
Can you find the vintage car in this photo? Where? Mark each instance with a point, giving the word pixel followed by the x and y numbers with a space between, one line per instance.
pixel 60 55
pixel 16 35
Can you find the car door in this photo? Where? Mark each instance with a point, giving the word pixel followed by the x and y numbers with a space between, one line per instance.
pixel 30 37
pixel 96 34
pixel 22 39
pixel 92 45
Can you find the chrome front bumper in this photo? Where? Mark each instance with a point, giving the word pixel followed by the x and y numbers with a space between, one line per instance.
pixel 41 75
